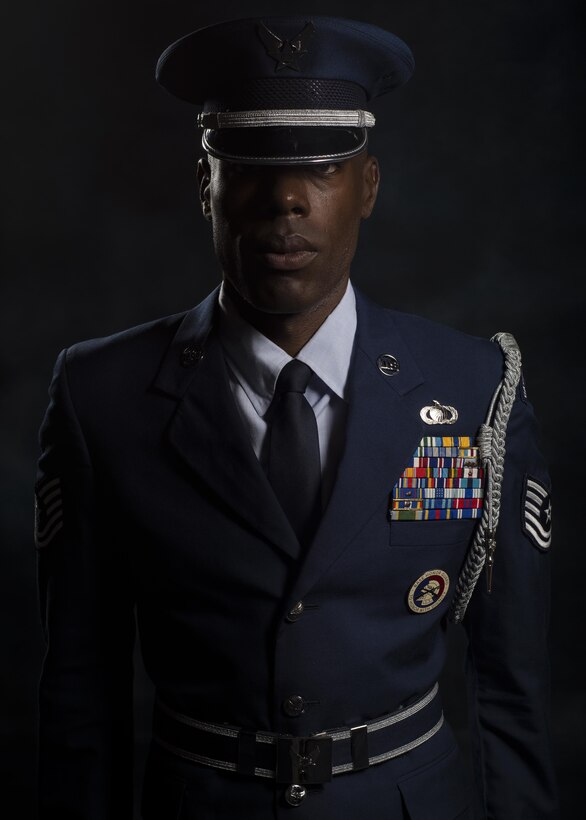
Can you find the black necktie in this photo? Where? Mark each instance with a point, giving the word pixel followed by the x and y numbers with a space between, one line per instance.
pixel 294 464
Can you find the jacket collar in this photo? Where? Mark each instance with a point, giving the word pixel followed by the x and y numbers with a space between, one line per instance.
pixel 185 352
pixel 383 429
pixel 257 361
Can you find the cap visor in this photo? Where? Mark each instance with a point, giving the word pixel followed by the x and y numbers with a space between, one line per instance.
pixel 284 146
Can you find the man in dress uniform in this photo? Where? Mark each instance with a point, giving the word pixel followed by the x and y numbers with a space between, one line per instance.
pixel 297 491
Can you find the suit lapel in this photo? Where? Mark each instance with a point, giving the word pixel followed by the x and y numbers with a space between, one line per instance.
pixel 207 431
pixel 383 429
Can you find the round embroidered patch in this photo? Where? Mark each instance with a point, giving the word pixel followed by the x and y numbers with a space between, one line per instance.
pixel 428 591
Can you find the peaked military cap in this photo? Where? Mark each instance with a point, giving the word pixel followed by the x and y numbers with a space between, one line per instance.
pixel 285 90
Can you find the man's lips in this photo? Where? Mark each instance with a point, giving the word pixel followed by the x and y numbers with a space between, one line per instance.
pixel 285 252
pixel 283 243
pixel 293 260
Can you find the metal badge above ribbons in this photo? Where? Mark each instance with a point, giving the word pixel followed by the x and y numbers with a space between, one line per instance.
pixel 437 413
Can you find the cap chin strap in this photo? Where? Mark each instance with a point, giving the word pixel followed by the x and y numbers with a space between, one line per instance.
pixel 286 117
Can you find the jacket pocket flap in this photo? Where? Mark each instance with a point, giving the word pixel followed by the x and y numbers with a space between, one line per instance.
pixel 438 790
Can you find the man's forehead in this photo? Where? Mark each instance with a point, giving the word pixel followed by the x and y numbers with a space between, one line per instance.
pixel 285 90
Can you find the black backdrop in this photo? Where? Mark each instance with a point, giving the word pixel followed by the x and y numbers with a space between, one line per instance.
pixel 478 225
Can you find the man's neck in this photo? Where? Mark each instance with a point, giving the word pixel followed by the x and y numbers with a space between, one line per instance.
pixel 290 331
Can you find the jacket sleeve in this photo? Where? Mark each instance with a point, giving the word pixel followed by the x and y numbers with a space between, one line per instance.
pixel 507 663
pixel 85 694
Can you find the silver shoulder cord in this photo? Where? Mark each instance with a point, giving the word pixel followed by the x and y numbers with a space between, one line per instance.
pixel 491 443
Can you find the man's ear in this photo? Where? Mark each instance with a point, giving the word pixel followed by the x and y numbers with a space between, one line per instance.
pixel 203 181
pixel 371 181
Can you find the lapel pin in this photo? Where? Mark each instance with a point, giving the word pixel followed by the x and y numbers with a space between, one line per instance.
pixel 439 413
pixel 387 364
pixel 191 355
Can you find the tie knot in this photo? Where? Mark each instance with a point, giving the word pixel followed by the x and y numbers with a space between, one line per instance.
pixel 293 378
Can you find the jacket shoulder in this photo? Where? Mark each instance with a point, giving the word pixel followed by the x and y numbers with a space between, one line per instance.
pixel 123 361
pixel 427 338
pixel 424 331
pixel 128 341
pixel 448 351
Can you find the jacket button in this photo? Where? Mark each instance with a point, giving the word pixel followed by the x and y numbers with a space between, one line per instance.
pixel 294 705
pixel 295 612
pixel 295 794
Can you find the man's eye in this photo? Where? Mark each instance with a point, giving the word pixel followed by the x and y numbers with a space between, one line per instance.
pixel 328 169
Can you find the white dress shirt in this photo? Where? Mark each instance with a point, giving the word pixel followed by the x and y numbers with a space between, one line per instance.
pixel 254 363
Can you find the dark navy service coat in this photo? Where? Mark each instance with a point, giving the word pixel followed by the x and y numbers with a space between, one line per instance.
pixel 160 505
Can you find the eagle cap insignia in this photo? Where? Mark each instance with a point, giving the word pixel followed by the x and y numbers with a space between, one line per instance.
pixel 287 53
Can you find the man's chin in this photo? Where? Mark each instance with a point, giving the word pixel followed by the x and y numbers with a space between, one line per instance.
pixel 283 295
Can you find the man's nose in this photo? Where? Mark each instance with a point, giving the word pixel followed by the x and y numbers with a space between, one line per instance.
pixel 284 192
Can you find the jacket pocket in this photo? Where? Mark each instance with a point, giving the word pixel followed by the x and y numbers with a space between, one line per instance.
pixel 430 533
pixel 438 790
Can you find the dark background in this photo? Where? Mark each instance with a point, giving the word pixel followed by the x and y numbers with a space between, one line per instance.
pixel 478 225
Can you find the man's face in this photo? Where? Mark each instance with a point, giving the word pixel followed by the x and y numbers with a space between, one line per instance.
pixel 285 235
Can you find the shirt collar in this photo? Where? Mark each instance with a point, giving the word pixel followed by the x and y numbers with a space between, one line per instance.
pixel 257 361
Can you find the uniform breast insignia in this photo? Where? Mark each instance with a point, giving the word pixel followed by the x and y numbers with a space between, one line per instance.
pixel 428 591
pixel 437 413
pixel 443 480
pixel 536 507
pixel 48 511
